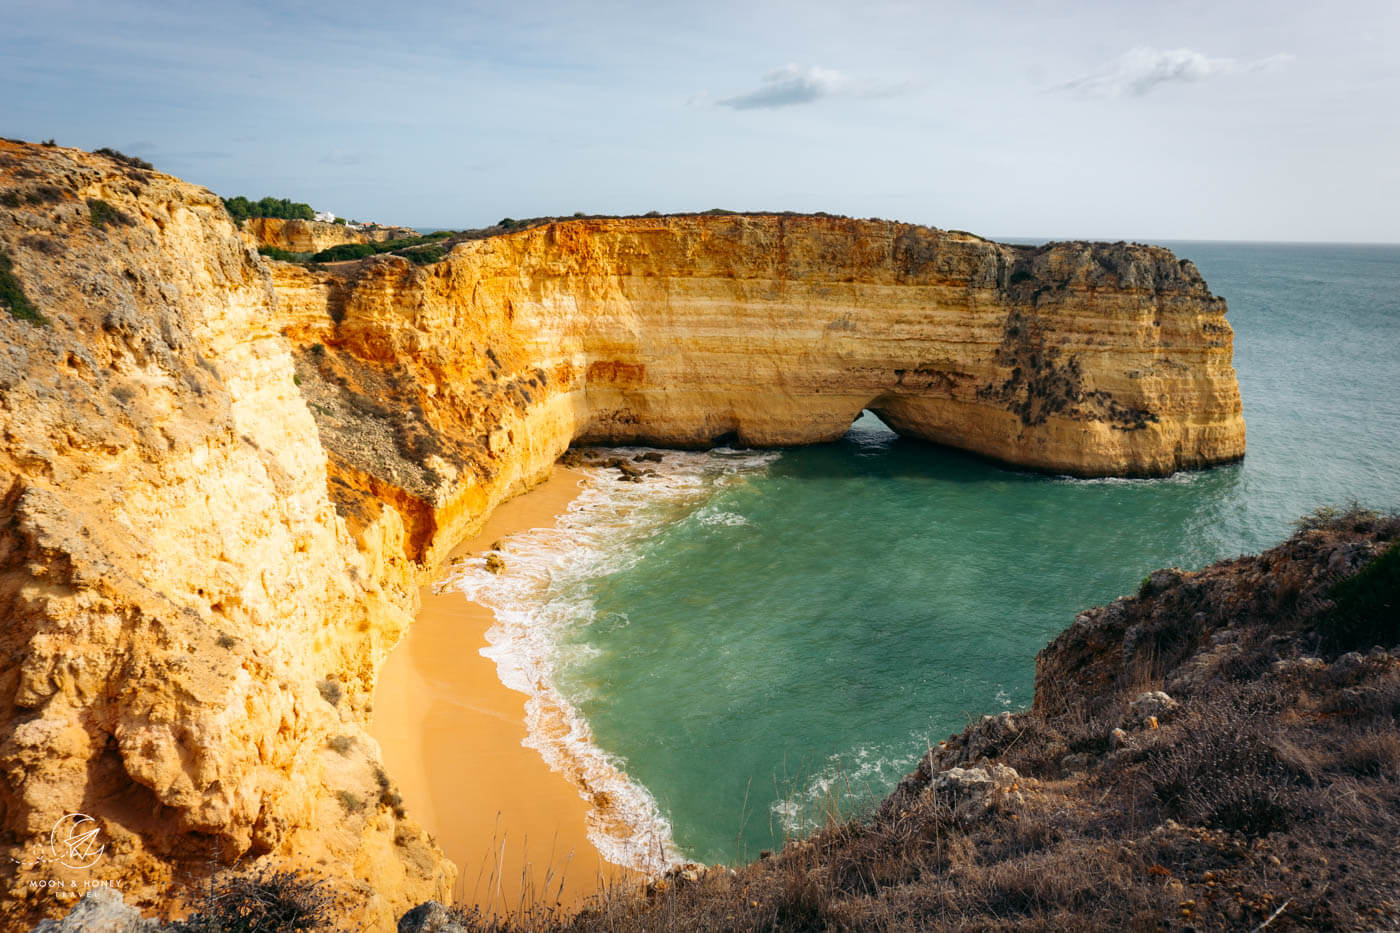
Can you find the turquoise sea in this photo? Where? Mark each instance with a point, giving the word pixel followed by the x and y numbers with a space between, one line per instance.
pixel 754 637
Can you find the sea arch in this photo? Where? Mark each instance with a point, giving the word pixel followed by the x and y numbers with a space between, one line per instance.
pixel 442 389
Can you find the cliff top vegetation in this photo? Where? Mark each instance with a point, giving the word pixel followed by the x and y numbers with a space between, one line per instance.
pixel 241 208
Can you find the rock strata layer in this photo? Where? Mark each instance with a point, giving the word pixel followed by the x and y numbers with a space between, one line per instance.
pixel 222 479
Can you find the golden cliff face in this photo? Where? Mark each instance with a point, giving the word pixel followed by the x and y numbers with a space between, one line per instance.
pixel 774 330
pixel 223 479
pixel 187 621
pixel 311 236
pixel 441 390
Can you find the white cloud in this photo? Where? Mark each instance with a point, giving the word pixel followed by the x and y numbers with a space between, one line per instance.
pixel 795 84
pixel 1142 70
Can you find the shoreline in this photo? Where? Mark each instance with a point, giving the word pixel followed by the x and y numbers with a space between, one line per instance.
pixel 452 735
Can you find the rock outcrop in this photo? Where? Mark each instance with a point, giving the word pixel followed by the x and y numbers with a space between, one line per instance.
pixel 187 621
pixel 100 911
pixel 312 236
pixel 222 480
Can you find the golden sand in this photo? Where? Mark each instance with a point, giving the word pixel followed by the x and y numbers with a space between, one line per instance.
pixel 451 735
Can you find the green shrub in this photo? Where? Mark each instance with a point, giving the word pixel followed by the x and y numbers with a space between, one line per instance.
pixel 1367 607
pixel 13 298
pixel 425 256
pixel 103 215
pixel 280 254
pixel 122 157
pixel 240 208
pixel 1335 518
pixel 341 744
pixel 346 251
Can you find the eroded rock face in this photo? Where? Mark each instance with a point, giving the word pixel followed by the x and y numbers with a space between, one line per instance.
pixel 174 579
pixel 1088 359
pixel 222 480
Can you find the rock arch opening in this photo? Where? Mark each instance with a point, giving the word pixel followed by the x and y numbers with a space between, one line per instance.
pixel 869 427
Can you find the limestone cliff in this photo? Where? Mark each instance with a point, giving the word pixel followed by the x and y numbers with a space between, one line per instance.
pixel 1090 359
pixel 187 622
pixel 222 479
pixel 312 236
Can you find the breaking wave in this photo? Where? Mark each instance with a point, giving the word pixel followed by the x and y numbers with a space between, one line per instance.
pixel 542 595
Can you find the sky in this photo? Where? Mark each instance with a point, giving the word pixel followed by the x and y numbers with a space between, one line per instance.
pixel 1112 120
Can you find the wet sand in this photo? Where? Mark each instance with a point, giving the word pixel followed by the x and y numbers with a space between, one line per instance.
pixel 451 735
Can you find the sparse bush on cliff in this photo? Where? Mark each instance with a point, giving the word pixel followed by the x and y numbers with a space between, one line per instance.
pixel 265 901
pixel 425 255
pixel 48 245
pixel 280 254
pixel 388 796
pixel 1366 607
pixel 340 744
pixel 12 296
pixel 331 691
pixel 103 215
pixel 351 802
pixel 344 251
pixel 121 157
pixel 1336 517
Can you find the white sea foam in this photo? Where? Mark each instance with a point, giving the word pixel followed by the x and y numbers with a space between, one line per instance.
pixel 1179 478
pixel 844 782
pixel 541 596
pixel 709 515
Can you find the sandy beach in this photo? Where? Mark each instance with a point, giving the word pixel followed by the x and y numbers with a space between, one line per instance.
pixel 451 735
